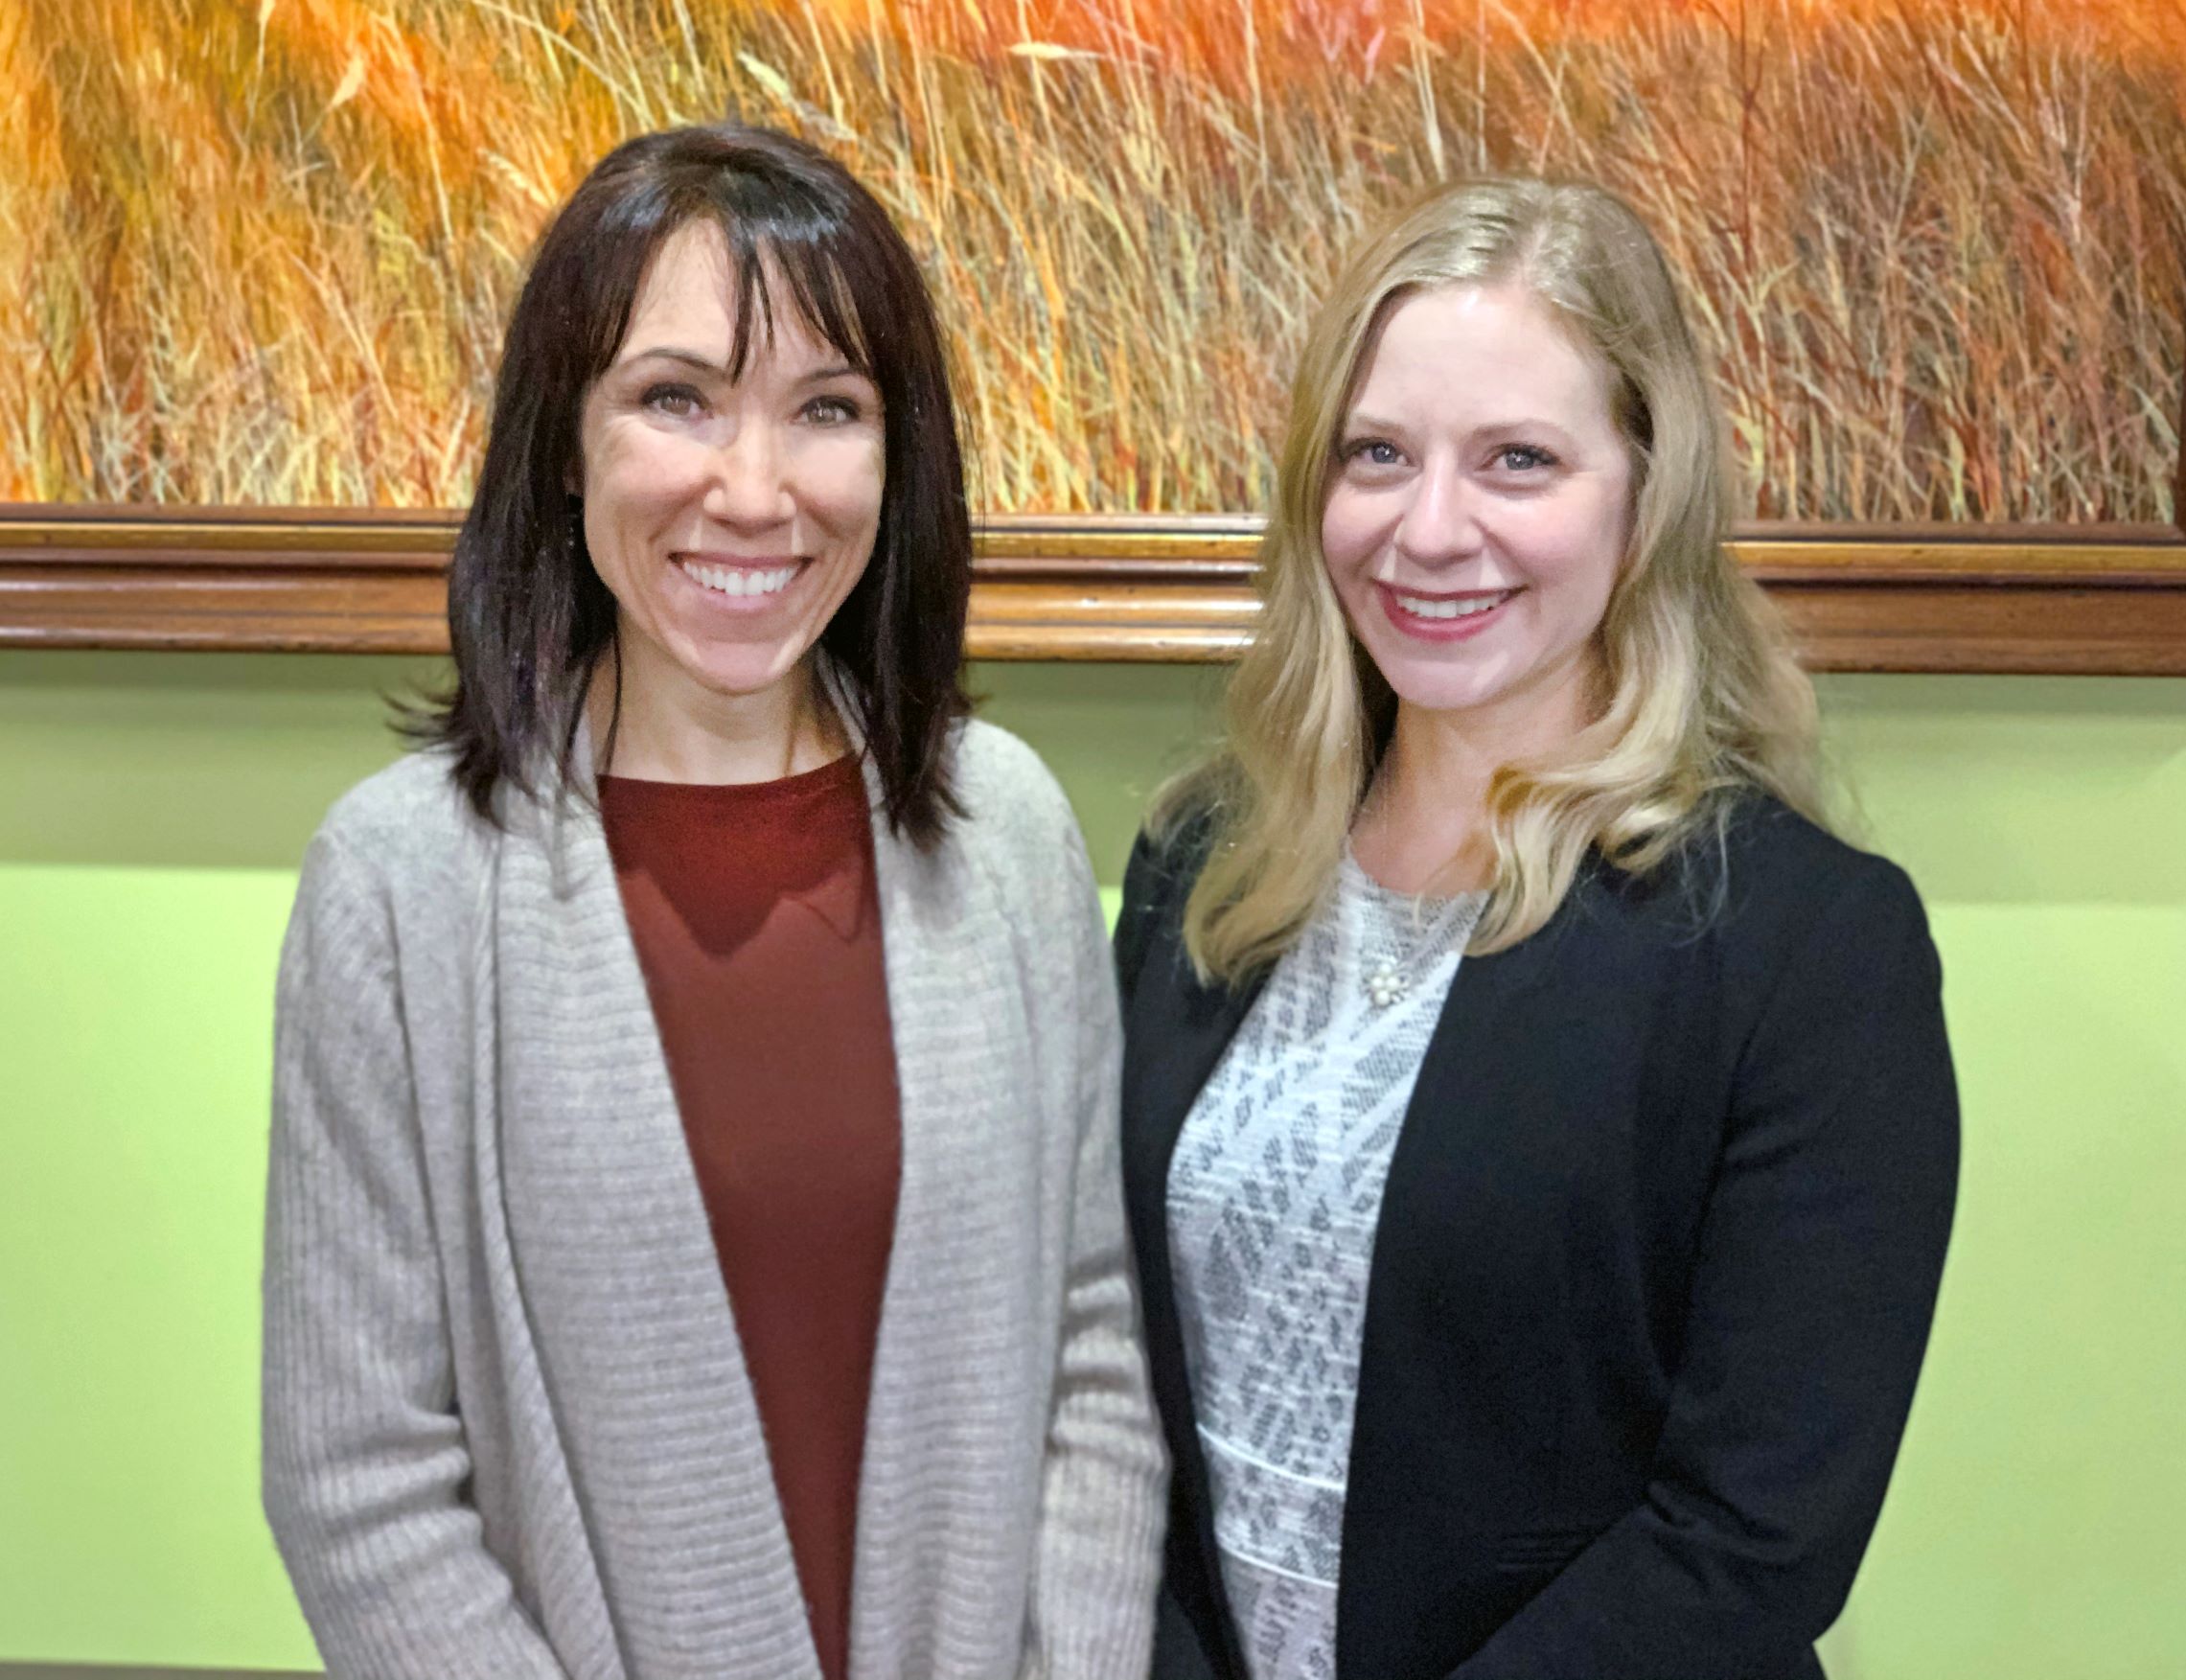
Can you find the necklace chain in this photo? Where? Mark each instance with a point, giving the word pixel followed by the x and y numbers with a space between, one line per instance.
pixel 1388 977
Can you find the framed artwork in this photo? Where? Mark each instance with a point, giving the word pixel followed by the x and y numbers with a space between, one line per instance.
pixel 259 257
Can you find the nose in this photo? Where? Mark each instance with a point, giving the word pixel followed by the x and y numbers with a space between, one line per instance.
pixel 1440 521
pixel 747 486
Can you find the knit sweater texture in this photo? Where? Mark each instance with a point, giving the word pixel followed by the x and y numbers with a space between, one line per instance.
pixel 507 1426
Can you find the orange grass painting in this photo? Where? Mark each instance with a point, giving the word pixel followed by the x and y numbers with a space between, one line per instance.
pixel 258 251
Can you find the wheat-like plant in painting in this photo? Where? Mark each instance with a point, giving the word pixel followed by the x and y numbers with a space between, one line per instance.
pixel 259 252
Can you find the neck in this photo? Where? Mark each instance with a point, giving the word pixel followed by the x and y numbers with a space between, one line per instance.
pixel 1423 826
pixel 673 731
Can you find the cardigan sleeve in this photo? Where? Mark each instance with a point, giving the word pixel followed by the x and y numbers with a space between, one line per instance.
pixel 1820 1252
pixel 1105 1478
pixel 364 1457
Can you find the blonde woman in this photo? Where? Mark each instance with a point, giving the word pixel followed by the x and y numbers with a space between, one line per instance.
pixel 1539 1131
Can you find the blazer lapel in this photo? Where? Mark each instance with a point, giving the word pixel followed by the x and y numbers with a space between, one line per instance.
pixel 1449 1164
pixel 616 1268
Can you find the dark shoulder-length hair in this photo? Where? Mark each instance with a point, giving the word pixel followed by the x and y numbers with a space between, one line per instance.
pixel 529 617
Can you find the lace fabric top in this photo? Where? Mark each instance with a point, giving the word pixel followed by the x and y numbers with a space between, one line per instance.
pixel 1274 1192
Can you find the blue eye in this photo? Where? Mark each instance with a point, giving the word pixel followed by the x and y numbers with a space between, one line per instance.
pixel 1524 458
pixel 1373 451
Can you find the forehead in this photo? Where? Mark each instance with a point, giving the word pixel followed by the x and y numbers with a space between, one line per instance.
pixel 1470 348
pixel 690 299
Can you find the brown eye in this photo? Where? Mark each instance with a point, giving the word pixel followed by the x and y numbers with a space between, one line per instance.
pixel 675 400
pixel 831 411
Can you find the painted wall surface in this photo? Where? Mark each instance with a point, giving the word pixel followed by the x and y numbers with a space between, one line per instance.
pixel 151 810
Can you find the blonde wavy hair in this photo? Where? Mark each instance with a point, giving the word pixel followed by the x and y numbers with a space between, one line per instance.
pixel 1701 697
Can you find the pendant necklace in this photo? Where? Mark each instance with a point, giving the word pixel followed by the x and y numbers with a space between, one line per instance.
pixel 1391 972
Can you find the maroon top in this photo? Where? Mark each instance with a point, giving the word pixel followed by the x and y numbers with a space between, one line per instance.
pixel 758 928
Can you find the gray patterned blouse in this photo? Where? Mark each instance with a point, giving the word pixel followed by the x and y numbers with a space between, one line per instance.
pixel 1274 1190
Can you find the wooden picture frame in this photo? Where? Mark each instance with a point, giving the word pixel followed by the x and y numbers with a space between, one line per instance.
pixel 2102 600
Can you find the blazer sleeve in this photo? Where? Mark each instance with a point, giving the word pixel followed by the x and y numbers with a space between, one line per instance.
pixel 1820 1252
pixel 1105 1479
pixel 364 1458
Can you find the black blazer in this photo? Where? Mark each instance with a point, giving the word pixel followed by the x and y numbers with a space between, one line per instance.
pixel 1654 1272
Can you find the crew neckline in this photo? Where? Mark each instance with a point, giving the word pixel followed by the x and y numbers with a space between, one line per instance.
pixel 821 778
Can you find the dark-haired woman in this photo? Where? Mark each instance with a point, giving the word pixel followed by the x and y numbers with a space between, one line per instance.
pixel 694 1240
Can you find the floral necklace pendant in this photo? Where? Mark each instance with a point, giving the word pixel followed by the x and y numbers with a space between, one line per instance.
pixel 1386 984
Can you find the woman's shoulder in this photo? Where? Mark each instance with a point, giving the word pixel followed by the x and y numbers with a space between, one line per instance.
pixel 1772 851
pixel 1171 849
pixel 1018 833
pixel 410 813
pixel 1015 824
pixel 1165 860
pixel 1008 794
pixel 992 762
pixel 399 850
pixel 1771 880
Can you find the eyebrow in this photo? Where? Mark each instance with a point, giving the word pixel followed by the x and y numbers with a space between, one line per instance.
pixel 1359 421
pixel 706 364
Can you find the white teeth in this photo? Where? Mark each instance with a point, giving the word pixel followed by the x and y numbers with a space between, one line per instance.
pixel 732 580
pixel 1422 607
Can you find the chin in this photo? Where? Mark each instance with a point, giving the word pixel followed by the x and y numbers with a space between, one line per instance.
pixel 738 671
pixel 1444 684
pixel 1449 697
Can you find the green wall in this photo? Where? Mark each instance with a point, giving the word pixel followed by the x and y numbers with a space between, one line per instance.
pixel 152 807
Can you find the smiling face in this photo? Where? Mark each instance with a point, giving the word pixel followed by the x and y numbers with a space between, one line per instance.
pixel 1478 509
pixel 729 517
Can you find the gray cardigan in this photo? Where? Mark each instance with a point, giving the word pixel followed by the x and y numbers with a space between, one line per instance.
pixel 507 1426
